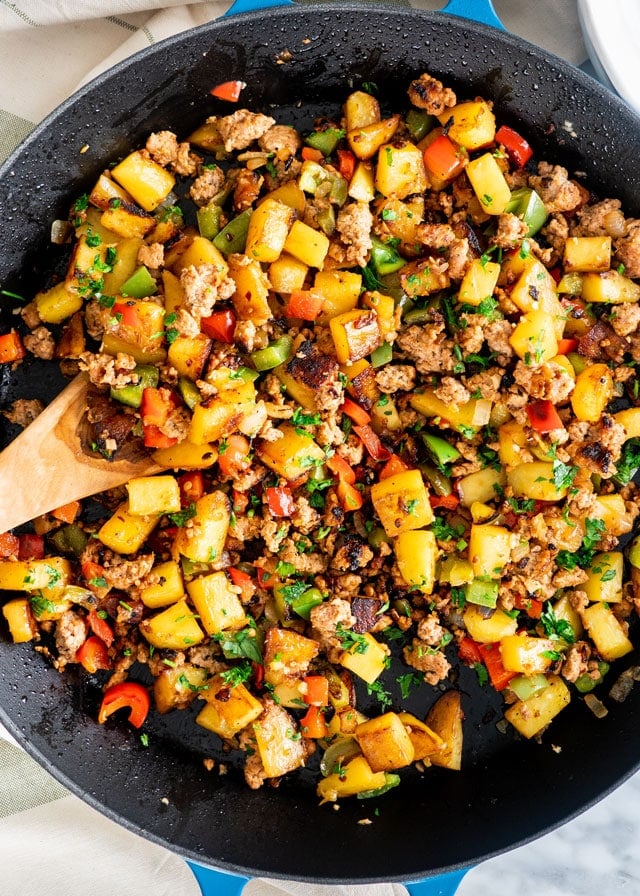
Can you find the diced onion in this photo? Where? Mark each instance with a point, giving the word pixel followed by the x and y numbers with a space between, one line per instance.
pixel 482 412
pixel 596 706
pixel 61 232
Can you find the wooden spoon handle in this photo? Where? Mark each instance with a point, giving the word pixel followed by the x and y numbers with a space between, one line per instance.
pixel 45 466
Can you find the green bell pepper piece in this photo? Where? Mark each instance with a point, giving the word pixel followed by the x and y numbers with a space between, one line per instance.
pixel 419 123
pixel 529 207
pixel 304 604
pixel 233 237
pixel 70 539
pixel 585 683
pixel 440 450
pixel 131 395
pixel 525 686
pixel 384 258
pixel 209 218
pixel 382 355
pixel 139 285
pixel 326 141
pixel 273 355
pixel 314 178
pixel 482 592
pixel 189 392
pixel 391 780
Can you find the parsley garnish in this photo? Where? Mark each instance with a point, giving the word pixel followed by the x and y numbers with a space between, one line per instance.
pixel 351 640
pixel 237 674
pixel 181 516
pixel 241 644
pixel 555 628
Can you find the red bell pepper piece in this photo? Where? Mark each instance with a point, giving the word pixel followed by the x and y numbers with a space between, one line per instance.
pixel 31 547
pixel 228 90
pixel 68 512
pixel 566 346
pixel 9 544
pixel 155 438
pixel 156 406
pixel 191 487
pixel 346 163
pixel 468 651
pixel 127 314
pixel 531 606
pixel 280 501
pixel 543 416
pixel 349 496
pixel 372 443
pixel 492 658
pixel 339 466
pixel 11 348
pixel 220 325
pixel 316 690
pixel 266 579
pixel 447 502
pixel 443 159
pixel 516 146
pixel 93 573
pixel 243 581
pixel 126 695
pixel 313 723
pixel 100 627
pixel 355 412
pixel 93 655
pixel 234 455
pixel 310 154
pixel 304 304
pixel 392 467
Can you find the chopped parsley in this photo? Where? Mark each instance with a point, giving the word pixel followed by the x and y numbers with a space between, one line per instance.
pixel 237 674
pixel 555 628
pixel 180 517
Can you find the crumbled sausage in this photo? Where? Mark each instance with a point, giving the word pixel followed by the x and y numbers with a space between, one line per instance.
pixel 40 343
pixel 431 95
pixel 241 128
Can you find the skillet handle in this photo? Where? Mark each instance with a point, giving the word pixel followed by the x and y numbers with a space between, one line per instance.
pixel 250 5
pixel 478 10
pixel 442 885
pixel 217 883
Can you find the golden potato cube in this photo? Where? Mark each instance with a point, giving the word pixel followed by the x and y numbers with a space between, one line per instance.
pixel 153 494
pixel 168 587
pixel 587 253
pixel 58 303
pixel 362 186
pixel 425 741
pixel 612 511
pixel 293 455
pixel 198 252
pixel 563 609
pixel 386 313
pixel 385 415
pixel 479 281
pixel 228 709
pixel 289 193
pixel 445 718
pixel 20 619
pixel 105 191
pixel 355 777
pixel 207 136
pixel 366 141
pixel 286 273
pixel 466 416
pixel 188 354
pixel 175 628
pixel 488 629
pixel 592 392
pixel 51 575
pixel 299 391
pixel 186 456
pixel 366 658
pixel 307 245
pixel 146 181
pixel 217 603
pixel 385 742
pixel 340 291
pixel 527 654
pixel 455 570
pixel 360 110
pixel 481 486
pixel 287 654
pixel 139 339
pixel 355 334
pixel 530 717
pixel 123 267
pixel 172 290
pixel 534 338
pixel 609 287
pixel 423 277
pixel 416 552
pixel 629 418
pixel 605 574
pixel 606 631
pixel 278 741
pixel 127 220
pixel 489 184
pixel 205 540
pixel 535 480
pixel 472 124
pixel 400 170
pixel 535 289
pixel 251 295
pixel 402 502
pixel 125 532
pixel 269 227
pixel 489 549
pixel 176 688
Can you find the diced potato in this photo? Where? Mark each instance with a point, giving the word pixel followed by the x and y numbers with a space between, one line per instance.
pixel 609 287
pixel 535 289
pixel 630 419
pixel 564 609
pixel 287 273
pixel 400 170
pixel 176 688
pixel 592 392
pixel 207 136
pixel 205 540
pixel 127 220
pixel 416 553
pixel 481 486
pixel 355 334
pixel 362 185
pixel 308 245
pixel 423 277
pixel 605 577
pixel 472 414
pixel 355 777
pixel 361 109
pixel 175 628
pixel 125 532
pixel 250 298
pixel 20 619
pixel 290 194
pixel 479 281
pixel 489 184
pixel 278 741
pixel 534 337
pixel 153 494
pixel 455 570
pixel 186 456
pixel 217 603
pixel 172 290
pixel 286 654
pixel 385 415
pixel 606 631
pixel 587 253
pixel 386 313
pixel 472 124
pixel 488 629
pixel 228 709
pixel 612 511
pixel 402 218
pixel 445 718
pixel 489 549
pixel 146 181
pixel 366 658
pixel 123 267
pixel 530 717
pixel 365 141
pixel 299 391
pixel 58 303
pixel 340 291
pixel 293 455
pixel 535 480
pixel 199 251
pixel 402 502
pixel 136 333
pixel 168 587
pixel 385 742
pixel 105 191
pixel 527 653
pixel 217 419
pixel 51 575
pixel 425 741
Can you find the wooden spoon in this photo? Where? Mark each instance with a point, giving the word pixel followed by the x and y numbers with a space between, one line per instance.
pixel 46 466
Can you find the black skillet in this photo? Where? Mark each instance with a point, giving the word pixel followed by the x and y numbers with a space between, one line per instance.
pixel 301 62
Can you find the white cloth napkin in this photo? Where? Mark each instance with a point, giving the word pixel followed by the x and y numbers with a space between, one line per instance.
pixel 51 843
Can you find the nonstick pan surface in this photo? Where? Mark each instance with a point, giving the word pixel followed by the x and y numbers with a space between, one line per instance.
pixel 299 63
